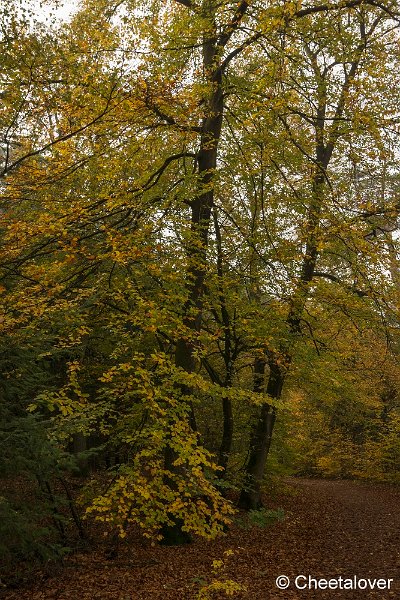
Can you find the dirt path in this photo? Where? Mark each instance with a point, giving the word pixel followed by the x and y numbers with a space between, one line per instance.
pixel 340 528
pixel 331 529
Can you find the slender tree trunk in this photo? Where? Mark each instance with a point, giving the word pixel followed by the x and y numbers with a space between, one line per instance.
pixel 226 442
pixel 224 319
pixel 261 433
pixel 79 445
pixel 279 362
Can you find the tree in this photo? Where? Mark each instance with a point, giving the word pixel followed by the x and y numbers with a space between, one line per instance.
pixel 327 118
pixel 166 236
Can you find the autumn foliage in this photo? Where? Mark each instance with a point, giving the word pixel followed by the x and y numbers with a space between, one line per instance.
pixel 199 265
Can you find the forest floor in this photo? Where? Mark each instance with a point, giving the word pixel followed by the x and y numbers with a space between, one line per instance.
pixel 330 529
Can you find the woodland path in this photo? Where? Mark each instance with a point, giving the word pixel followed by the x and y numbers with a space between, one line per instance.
pixel 331 528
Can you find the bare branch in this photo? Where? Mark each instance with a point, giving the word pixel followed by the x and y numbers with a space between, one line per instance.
pixel 154 178
pixel 349 4
pixel 335 279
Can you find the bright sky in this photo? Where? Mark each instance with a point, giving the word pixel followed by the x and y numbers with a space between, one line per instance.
pixel 61 9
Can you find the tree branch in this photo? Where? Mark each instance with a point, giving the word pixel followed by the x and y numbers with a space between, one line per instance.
pixel 238 50
pixel 349 4
pixel 157 174
pixel 62 138
pixel 187 3
pixel 233 24
pixel 350 288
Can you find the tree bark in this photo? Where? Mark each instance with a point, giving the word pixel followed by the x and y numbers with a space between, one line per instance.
pixel 261 433
pixel 201 207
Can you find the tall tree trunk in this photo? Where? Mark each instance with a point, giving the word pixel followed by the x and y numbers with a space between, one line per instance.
pixel 225 321
pixel 214 65
pixel 201 207
pixel 197 263
pixel 279 362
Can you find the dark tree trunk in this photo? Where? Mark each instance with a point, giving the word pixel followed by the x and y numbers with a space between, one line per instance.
pixel 201 207
pixel 79 445
pixel 200 219
pixel 228 356
pixel 261 433
pixel 279 362
pixel 215 40
pixel 227 435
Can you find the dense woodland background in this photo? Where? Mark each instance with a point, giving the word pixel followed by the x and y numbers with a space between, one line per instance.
pixel 199 267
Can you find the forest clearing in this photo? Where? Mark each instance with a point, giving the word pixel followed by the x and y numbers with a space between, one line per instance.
pixel 199 299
